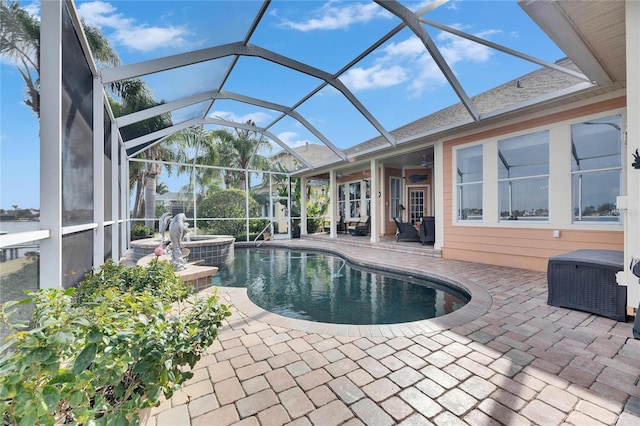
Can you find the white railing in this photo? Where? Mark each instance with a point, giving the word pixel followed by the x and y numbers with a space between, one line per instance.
pixel 261 233
pixel 7 240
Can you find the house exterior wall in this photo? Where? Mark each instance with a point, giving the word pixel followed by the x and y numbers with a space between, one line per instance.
pixel 525 244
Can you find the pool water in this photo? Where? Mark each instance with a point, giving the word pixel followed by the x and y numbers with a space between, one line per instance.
pixel 322 287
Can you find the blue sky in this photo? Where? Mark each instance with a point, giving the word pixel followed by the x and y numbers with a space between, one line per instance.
pixel 397 83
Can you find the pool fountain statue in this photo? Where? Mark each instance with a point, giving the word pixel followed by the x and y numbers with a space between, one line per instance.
pixel 178 232
pixel 163 224
pixel 206 253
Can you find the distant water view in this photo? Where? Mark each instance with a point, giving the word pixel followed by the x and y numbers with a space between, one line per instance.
pixel 19 226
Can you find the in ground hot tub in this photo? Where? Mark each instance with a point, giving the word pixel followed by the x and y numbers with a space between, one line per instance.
pixel 214 250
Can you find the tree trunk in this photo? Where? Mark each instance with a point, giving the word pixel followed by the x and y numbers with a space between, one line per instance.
pixel 150 199
pixel 138 199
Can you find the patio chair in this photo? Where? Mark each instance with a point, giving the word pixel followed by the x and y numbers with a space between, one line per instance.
pixel 406 231
pixel 361 227
pixel 341 226
pixel 428 230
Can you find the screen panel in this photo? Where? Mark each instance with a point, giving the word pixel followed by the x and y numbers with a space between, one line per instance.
pixel 77 137
pixel 77 257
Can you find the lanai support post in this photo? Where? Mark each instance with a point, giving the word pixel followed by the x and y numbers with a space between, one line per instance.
pixel 438 185
pixel 632 222
pixel 333 205
pixel 303 206
pixel 373 199
pixel 51 143
pixel 98 173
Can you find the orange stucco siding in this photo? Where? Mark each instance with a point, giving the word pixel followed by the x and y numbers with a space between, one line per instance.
pixel 518 246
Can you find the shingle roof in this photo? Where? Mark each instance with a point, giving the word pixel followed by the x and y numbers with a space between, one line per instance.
pixel 533 85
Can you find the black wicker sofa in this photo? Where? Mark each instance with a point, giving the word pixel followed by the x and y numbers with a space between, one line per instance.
pixel 586 280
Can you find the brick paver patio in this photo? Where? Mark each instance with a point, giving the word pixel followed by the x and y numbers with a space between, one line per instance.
pixel 505 358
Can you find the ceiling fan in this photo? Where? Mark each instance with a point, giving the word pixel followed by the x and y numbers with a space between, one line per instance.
pixel 426 163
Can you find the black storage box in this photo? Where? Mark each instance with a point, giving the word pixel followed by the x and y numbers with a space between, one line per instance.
pixel 586 280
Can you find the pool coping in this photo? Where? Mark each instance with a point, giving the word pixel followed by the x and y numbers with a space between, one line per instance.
pixel 479 304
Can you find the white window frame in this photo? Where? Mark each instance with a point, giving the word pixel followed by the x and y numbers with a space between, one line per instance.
pixel 357 202
pixel 619 168
pixel 395 195
pixel 546 176
pixel 459 186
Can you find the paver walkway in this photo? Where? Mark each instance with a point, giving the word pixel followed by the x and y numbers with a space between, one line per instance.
pixel 505 358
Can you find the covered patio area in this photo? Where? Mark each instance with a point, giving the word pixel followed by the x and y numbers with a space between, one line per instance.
pixel 506 358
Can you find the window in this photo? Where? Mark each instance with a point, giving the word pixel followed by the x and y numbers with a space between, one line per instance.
pixel 523 177
pixel 596 169
pixel 342 200
pixel 367 196
pixel 469 182
pixel 354 199
pixel 351 197
pixel 394 196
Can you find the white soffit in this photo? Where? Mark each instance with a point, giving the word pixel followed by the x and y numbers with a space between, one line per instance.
pixel 552 19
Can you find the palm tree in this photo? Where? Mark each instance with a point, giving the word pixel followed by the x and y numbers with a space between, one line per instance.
pixel 162 188
pixel 241 151
pixel 136 171
pixel 201 143
pixel 20 42
pixel 135 97
pixel 136 181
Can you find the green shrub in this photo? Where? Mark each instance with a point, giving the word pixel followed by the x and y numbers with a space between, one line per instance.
pixel 140 230
pixel 100 353
pixel 230 203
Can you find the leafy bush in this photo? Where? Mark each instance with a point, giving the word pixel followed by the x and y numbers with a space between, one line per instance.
pixel 140 230
pixel 100 353
pixel 315 213
pixel 230 203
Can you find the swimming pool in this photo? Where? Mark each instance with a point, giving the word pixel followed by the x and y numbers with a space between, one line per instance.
pixel 322 287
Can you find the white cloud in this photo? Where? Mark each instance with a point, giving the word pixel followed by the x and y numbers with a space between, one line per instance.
pixel 407 48
pixel 257 117
pixel 453 5
pixel 33 9
pixel 456 49
pixel 127 31
pixel 149 38
pixel 409 61
pixel 100 14
pixel 292 139
pixel 428 76
pixel 398 63
pixel 9 61
pixel 334 16
pixel 374 77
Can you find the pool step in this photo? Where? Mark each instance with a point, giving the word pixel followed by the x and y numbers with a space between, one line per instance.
pixel 388 244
